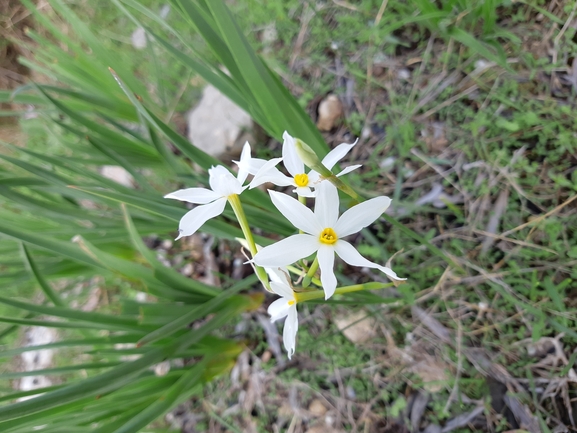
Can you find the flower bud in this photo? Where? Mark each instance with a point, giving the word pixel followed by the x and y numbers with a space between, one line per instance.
pixel 310 158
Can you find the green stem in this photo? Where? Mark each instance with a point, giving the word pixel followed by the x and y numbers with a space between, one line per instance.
pixel 241 217
pixel 344 187
pixel 311 272
pixel 298 271
pixel 320 294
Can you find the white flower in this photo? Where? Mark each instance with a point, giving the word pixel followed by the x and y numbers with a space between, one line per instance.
pixel 249 165
pixel 286 306
pixel 212 201
pixel 303 182
pixel 323 231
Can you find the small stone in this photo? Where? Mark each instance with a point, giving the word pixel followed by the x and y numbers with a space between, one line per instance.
pixel 351 394
pixel 187 270
pixel 357 327
pixel 164 11
pixel 269 36
pixel 266 356
pixel 330 110
pixel 117 174
pixel 285 411
pixel 403 74
pixel 481 64
pixel 177 260
pixel 138 38
pixel 387 163
pixel 162 368
pixel 317 408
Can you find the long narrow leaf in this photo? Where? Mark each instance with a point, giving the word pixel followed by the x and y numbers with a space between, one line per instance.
pixel 48 291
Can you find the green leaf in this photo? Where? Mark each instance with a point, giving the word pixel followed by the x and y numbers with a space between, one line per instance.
pixel 474 44
pixel 105 321
pixel 167 400
pixel 200 311
pixel 48 291
pixel 104 382
pixel 169 275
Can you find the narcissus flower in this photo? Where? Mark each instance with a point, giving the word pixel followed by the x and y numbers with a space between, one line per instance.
pixel 303 182
pixel 212 201
pixel 323 232
pixel 286 306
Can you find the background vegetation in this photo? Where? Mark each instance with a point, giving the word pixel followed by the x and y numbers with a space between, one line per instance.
pixel 467 119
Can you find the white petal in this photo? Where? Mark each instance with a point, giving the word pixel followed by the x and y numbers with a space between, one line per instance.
pixel 244 163
pixel 267 165
pixel 289 334
pixel 223 182
pixel 326 256
pixel 269 173
pixel 327 204
pixel 314 178
pixel 337 154
pixel 304 191
pixel 349 169
pixel 297 213
pixel 291 160
pixel 194 195
pixel 278 309
pixel 195 218
pixel 282 289
pixel 278 275
pixel 350 255
pixel 253 165
pixel 361 215
pixel 287 251
pixel 256 164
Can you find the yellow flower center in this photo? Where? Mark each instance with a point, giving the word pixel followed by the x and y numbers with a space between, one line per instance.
pixel 302 179
pixel 328 236
pixel 292 302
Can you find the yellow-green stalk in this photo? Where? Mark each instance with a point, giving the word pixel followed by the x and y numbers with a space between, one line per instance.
pixel 311 272
pixel 320 294
pixel 241 217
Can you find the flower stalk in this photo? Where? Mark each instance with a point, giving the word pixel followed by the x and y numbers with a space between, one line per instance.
pixel 311 273
pixel 236 205
pixel 320 294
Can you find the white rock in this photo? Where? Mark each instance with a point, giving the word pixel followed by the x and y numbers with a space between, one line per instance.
pixel 357 327
pixel 37 359
pixel 216 122
pixel 387 163
pixel 117 174
pixel 403 74
pixel 138 38
pixel 164 10
pixel 162 368
pixel 269 37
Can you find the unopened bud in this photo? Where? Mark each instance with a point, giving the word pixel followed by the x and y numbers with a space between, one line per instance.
pixel 310 158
